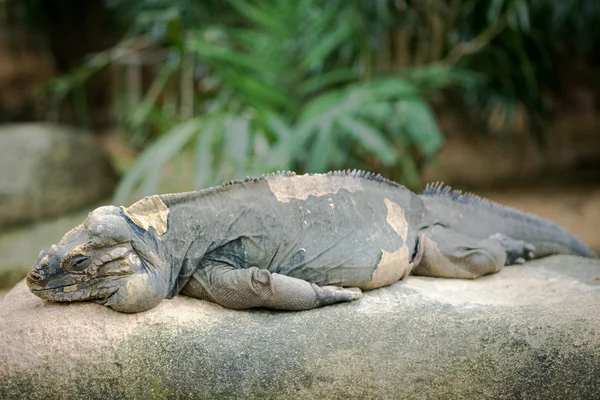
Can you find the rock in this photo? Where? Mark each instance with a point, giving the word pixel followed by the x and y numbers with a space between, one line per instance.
pixel 527 332
pixel 48 170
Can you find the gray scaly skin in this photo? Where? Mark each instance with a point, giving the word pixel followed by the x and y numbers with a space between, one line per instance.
pixel 287 242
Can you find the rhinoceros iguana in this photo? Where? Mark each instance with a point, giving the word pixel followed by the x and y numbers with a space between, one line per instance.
pixel 288 242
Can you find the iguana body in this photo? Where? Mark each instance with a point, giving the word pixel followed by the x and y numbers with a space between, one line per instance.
pixel 287 242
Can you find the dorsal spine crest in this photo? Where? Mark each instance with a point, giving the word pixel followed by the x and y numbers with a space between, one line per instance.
pixel 440 189
pixel 182 197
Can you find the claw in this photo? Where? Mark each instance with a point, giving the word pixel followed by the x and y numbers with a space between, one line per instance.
pixel 530 254
pixel 353 293
pixel 530 247
pixel 520 260
pixel 335 294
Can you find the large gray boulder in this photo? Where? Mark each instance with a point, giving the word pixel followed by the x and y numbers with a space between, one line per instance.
pixel 48 170
pixel 527 332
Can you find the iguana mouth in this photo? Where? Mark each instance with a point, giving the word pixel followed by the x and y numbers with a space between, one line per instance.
pixel 89 290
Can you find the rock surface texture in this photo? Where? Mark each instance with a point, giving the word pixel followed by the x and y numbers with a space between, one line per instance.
pixel 48 170
pixel 527 332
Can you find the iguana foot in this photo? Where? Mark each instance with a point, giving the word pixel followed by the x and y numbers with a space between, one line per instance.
pixel 335 294
pixel 517 251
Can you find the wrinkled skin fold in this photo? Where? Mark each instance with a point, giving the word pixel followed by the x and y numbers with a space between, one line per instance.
pixel 97 261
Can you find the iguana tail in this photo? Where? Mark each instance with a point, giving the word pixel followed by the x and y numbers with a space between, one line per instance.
pixel 478 217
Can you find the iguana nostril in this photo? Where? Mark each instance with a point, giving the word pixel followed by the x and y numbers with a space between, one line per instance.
pixel 34 279
pixel 34 276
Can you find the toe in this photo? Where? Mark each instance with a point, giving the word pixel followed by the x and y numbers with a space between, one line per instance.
pixel 529 247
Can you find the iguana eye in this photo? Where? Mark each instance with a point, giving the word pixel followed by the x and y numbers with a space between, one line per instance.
pixel 80 262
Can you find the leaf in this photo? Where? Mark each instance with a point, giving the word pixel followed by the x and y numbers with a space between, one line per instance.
pixel 494 11
pixel 222 53
pixel 259 15
pixel 151 17
pixel 330 78
pixel 390 88
pixel 325 46
pixel 203 155
pixel 237 142
pixel 281 130
pixel 322 148
pixel 304 132
pixel 421 127
pixel 142 112
pixel 257 92
pixel 438 76
pixel 150 184
pixel 154 158
pixel 377 113
pixel 281 153
pixel 409 168
pixel 522 12
pixel 319 105
pixel 370 138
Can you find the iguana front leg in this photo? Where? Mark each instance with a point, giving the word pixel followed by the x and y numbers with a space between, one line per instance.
pixel 254 287
pixel 449 254
pixel 517 251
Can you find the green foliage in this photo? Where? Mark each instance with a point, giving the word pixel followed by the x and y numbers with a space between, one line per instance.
pixel 285 88
pixel 523 44
pixel 242 87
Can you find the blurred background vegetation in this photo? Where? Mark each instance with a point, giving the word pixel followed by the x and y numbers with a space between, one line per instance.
pixel 211 90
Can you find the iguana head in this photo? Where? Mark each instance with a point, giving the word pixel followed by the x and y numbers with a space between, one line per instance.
pixel 107 260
